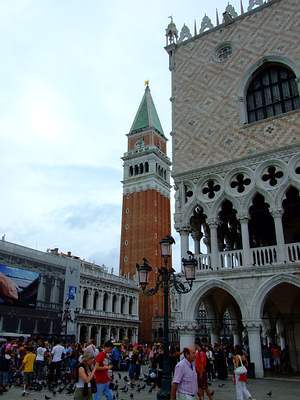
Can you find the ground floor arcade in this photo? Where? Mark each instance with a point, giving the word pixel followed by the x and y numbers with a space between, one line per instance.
pixel 254 311
pixel 105 331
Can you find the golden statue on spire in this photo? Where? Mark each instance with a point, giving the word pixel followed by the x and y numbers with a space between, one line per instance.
pixel 146 83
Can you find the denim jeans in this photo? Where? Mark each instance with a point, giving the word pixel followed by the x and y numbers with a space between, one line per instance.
pixel 103 389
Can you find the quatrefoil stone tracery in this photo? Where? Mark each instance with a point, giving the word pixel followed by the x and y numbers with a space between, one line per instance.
pixel 240 182
pixel 297 170
pixel 211 189
pixel 272 175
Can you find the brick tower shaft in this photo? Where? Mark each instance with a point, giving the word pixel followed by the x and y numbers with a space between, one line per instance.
pixel 146 215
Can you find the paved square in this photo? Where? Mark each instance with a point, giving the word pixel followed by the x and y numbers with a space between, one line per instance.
pixel 281 390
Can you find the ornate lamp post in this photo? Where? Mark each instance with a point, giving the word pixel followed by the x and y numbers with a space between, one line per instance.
pixel 165 278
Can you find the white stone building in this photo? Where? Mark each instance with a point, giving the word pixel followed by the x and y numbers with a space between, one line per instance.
pixel 236 167
pixel 101 305
pixel 108 306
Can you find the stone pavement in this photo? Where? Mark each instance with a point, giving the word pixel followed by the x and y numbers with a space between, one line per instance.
pixel 281 390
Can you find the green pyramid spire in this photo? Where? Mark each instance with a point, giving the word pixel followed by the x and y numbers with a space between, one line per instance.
pixel 147 116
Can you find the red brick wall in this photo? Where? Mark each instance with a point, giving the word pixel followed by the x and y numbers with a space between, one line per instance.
pixel 149 220
pixel 149 139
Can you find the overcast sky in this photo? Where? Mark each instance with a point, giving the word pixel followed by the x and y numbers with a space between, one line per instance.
pixel 72 76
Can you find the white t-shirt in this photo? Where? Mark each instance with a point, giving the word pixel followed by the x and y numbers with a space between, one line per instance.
pixel 57 352
pixel 40 353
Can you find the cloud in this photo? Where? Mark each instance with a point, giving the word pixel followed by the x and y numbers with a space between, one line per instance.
pixel 85 215
pixel 71 84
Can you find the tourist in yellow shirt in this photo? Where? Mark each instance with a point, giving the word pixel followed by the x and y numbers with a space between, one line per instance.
pixel 27 367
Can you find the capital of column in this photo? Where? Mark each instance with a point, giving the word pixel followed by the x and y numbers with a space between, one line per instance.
pixel 197 235
pixel 212 223
pixel 187 327
pixel 186 230
pixel 252 326
pixel 277 213
pixel 244 219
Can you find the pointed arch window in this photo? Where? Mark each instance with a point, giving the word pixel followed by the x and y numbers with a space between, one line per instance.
pixel 272 91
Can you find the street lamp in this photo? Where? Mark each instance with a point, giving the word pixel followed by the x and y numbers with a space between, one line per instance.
pixel 165 278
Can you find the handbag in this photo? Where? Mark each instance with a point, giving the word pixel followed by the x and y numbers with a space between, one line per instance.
pixel 241 370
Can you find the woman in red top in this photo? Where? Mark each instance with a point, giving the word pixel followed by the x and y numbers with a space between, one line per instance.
pixel 200 365
pixel 102 377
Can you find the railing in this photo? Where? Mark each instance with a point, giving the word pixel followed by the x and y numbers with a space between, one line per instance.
pixel 48 306
pixel 264 255
pixel 259 257
pixel 107 314
pixel 293 252
pixel 204 262
pixel 231 259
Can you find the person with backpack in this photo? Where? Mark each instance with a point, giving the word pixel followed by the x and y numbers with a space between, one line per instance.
pixel 85 383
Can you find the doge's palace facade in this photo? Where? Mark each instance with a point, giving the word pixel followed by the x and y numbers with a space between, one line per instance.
pixel 236 168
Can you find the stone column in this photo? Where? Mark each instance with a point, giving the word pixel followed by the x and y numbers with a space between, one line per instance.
pixel 109 302
pixel 253 329
pixel 126 305
pixel 89 332
pixel 19 325
pixel 100 300
pixel 184 242
pixel 247 262
pixel 53 291
pixel 137 304
pixel 41 290
pixel 187 338
pixel 236 337
pixel 78 333
pixel 280 333
pixel 81 296
pixel 90 299
pixel 215 334
pixel 277 215
pixel 197 237
pixel 214 244
pixel 51 327
pixel 35 329
pixel 97 336
pixel 56 290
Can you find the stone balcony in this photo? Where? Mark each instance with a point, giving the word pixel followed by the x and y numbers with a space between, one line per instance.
pixel 108 315
pixel 259 256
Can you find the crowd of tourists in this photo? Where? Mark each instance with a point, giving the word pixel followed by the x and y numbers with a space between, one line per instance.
pixel 90 372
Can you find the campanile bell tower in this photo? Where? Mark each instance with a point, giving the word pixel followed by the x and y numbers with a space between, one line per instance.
pixel 146 205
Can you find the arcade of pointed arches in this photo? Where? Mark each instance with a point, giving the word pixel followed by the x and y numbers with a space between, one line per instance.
pixel 222 316
pixel 247 218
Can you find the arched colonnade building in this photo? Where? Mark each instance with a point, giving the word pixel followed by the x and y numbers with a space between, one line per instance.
pixel 236 169
pixel 108 307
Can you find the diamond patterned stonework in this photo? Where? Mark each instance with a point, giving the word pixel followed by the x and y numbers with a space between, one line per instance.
pixel 209 111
